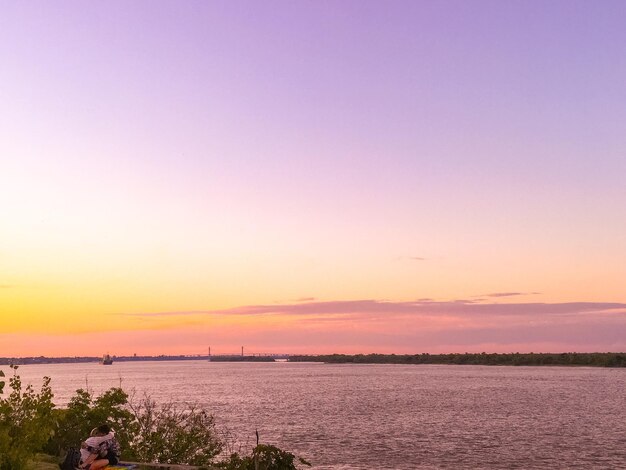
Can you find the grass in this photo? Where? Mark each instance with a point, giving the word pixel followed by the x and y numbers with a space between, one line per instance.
pixel 45 462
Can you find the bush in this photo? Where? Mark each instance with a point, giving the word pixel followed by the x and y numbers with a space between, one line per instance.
pixel 168 434
pixel 26 422
pixel 265 457
pixel 146 431
pixel 84 412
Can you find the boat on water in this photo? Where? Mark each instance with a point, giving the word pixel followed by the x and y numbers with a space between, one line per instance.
pixel 106 360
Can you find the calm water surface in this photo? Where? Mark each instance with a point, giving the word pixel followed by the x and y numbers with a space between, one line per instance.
pixel 390 416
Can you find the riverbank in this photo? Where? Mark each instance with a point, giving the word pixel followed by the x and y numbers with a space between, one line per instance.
pixel 494 359
pixel 599 359
pixel 42 360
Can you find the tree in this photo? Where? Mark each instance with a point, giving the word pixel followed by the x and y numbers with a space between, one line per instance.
pixel 85 412
pixel 26 422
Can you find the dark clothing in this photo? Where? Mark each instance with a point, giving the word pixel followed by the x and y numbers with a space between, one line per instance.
pixel 110 450
pixel 112 458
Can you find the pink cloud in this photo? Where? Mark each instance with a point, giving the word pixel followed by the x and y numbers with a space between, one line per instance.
pixel 369 306
pixel 358 326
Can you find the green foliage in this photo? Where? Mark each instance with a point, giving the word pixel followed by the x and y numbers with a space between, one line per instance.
pixel 265 457
pixel 146 431
pixel 26 422
pixel 169 434
pixel 85 412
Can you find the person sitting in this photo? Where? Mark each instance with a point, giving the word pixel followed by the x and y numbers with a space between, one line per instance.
pixel 109 449
pixel 96 444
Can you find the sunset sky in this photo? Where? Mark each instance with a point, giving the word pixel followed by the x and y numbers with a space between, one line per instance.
pixel 312 176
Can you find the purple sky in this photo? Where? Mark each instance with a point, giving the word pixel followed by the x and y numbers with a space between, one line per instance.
pixel 194 156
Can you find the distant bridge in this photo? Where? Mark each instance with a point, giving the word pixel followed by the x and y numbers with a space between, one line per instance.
pixel 243 354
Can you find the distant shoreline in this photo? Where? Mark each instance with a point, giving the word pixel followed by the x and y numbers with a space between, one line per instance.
pixel 498 359
pixel 89 359
pixel 493 359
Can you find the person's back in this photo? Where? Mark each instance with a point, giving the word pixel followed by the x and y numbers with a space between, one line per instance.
pixel 92 447
pixel 110 450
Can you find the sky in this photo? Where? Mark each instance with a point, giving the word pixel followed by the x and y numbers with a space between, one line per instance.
pixel 312 176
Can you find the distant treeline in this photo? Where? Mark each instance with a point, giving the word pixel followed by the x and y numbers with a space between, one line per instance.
pixel 5 361
pixel 79 359
pixel 512 359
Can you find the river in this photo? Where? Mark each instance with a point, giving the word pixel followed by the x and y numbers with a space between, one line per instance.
pixel 389 416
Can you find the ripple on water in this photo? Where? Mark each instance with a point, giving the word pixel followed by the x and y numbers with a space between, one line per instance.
pixel 348 417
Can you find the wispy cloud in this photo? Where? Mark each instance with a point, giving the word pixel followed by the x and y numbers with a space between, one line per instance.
pixel 508 294
pixel 411 258
pixel 368 306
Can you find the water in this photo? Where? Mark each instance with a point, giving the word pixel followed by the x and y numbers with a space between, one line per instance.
pixel 390 416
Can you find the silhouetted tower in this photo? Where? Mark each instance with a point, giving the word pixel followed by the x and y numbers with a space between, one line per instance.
pixel 242 351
